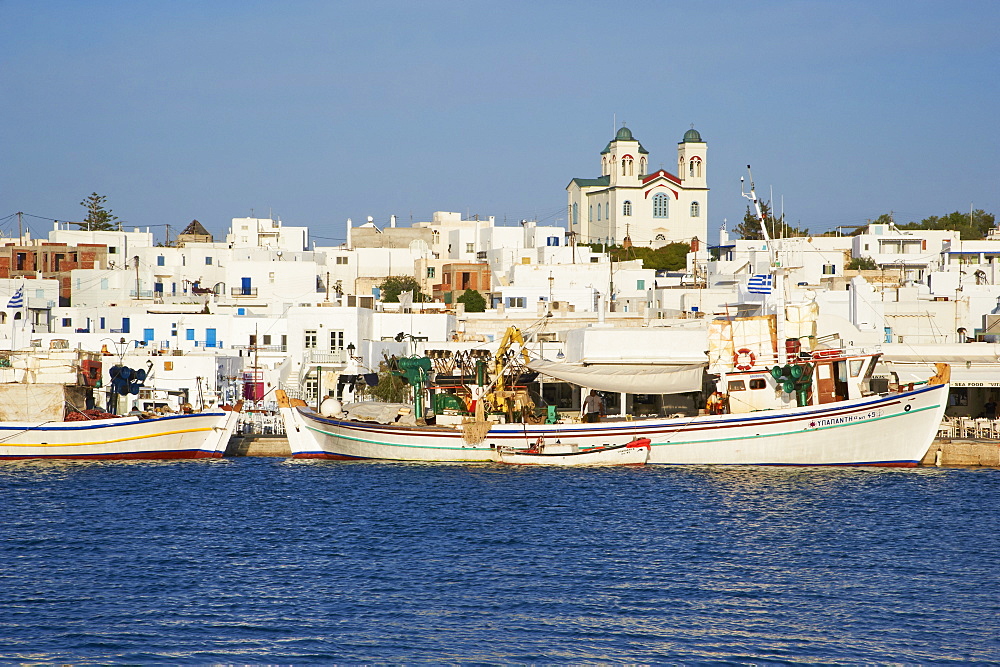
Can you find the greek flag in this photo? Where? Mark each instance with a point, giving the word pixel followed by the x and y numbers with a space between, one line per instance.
pixel 760 284
pixel 17 301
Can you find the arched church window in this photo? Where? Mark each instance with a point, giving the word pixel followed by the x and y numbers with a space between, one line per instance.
pixel 604 166
pixel 695 209
pixel 642 166
pixel 661 206
pixel 576 214
pixel 623 166
pixel 607 210
pixel 590 213
pixel 695 167
pixel 627 208
pixel 598 212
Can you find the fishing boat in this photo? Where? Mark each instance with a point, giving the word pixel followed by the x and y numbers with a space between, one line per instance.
pixel 817 407
pixel 889 429
pixel 43 415
pixel 184 436
pixel 780 399
pixel 559 453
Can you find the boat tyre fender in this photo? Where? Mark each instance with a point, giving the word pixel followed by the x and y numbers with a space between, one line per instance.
pixel 744 359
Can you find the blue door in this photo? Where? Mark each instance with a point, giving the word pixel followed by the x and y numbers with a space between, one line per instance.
pixel 245 285
pixel 209 337
pixel 126 323
pixel 147 336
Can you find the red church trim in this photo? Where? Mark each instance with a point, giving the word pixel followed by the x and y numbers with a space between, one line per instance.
pixel 661 185
pixel 661 173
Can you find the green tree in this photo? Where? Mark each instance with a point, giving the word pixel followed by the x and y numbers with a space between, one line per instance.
pixel 473 300
pixel 390 388
pixel 671 257
pixel 98 217
pixel 393 286
pixel 970 226
pixel 862 264
pixel 777 227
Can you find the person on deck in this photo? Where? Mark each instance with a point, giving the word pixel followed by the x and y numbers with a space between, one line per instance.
pixel 593 407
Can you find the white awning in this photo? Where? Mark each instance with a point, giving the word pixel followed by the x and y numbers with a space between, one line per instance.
pixel 667 379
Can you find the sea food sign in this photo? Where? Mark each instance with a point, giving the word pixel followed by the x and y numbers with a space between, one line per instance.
pixel 967 383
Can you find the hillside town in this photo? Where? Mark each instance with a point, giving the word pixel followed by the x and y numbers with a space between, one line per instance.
pixel 213 321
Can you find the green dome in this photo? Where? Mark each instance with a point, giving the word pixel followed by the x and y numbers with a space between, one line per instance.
pixel 692 136
pixel 624 134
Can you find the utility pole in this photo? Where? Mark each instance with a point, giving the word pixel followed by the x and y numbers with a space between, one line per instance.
pixel 137 294
pixel 20 234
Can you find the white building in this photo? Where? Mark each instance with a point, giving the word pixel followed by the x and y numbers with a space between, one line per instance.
pixel 267 233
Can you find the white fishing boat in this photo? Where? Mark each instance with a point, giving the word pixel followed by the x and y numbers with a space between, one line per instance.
pixel 44 415
pixel 184 436
pixel 891 429
pixel 780 401
pixel 559 453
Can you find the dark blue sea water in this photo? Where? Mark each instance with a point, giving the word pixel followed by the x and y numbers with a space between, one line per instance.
pixel 262 560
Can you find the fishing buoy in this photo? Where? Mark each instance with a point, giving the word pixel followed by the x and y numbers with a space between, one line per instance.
pixel 331 407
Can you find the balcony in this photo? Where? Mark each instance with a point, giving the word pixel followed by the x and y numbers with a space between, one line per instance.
pixel 262 348
pixel 243 291
pixel 320 357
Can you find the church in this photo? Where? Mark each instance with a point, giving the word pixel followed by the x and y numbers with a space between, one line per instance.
pixel 651 208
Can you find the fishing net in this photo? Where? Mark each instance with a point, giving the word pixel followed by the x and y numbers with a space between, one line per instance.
pixel 474 432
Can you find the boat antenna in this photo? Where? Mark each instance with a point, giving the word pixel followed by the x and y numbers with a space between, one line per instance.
pixel 777 272
pixel 752 196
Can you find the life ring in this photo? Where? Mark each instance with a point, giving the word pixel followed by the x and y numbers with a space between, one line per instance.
pixel 744 359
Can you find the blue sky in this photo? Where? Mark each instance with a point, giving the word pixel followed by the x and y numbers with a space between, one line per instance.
pixel 321 111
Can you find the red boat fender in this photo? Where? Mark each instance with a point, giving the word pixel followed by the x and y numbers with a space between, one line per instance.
pixel 639 442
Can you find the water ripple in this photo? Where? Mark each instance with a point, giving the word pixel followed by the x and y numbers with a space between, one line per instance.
pixel 257 560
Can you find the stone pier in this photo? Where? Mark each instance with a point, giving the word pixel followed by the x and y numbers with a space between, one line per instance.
pixel 963 452
pixel 258 445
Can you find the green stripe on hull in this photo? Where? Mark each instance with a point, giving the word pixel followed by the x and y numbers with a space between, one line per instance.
pixel 811 430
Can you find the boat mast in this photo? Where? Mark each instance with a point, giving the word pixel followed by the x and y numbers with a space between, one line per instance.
pixel 776 269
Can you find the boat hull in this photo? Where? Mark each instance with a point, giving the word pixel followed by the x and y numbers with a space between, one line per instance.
pixel 194 436
pixel 891 430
